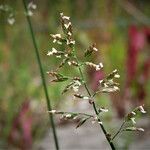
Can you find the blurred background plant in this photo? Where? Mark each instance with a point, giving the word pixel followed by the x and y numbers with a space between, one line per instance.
pixel 122 33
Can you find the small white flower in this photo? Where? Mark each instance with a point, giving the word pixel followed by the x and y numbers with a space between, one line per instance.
pixel 31 5
pixel 85 97
pixel 56 35
pixel 95 49
pixel 133 120
pixel 59 56
pixel 97 68
pixel 70 42
pixel 68 115
pixel 67 25
pixel 101 65
pixel 77 82
pixel 54 41
pixel 75 117
pixel 116 88
pixel 140 129
pixel 69 33
pixel 30 13
pixel 75 88
pixel 133 113
pixel 66 17
pixel 69 63
pixel 115 71
pixel 52 111
pixel 117 75
pixel 103 110
pixel 100 122
pixel 11 20
pixel 60 43
pixel 100 81
pixel 141 109
pixel 66 55
pixel 54 51
pixel 49 53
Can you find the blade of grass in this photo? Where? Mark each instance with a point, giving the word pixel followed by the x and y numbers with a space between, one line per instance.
pixel 42 76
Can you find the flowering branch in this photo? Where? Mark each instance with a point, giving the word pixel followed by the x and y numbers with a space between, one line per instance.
pixel 106 85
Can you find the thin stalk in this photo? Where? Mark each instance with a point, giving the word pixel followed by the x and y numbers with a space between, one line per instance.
pixel 118 130
pixel 72 113
pixel 42 76
pixel 94 106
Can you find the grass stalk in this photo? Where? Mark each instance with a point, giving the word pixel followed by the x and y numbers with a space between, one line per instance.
pixel 42 75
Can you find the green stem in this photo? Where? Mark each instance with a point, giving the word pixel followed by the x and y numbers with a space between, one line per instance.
pixel 94 106
pixel 72 113
pixel 118 131
pixel 42 76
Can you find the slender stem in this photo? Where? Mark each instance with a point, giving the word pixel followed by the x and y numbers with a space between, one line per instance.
pixel 118 130
pixel 72 113
pixel 42 76
pixel 94 107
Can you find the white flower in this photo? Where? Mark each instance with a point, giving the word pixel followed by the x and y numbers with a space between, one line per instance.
pixel 66 17
pixel 141 109
pixel 69 33
pixel 66 55
pixel 31 5
pixel 100 81
pixel 100 122
pixel 140 129
pixel 59 56
pixel 75 117
pixel 61 14
pixel 52 111
pixel 30 13
pixel 116 88
pixel 54 51
pixel 115 71
pixel 97 67
pixel 117 75
pixel 103 110
pixel 69 63
pixel 67 25
pixel 85 97
pixel 11 20
pixel 58 42
pixel 68 115
pixel 70 42
pixel 75 88
pixel 133 120
pixel 56 35
pixel 95 49
pixel 133 113
pixel 101 65
pixel 56 38
pixel 76 85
